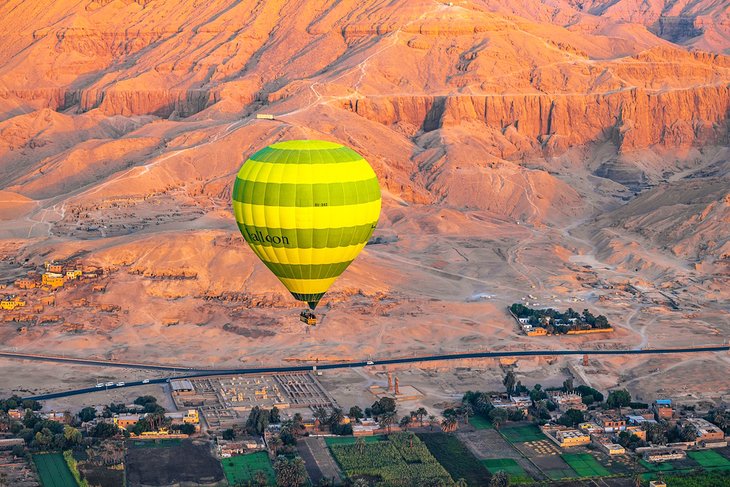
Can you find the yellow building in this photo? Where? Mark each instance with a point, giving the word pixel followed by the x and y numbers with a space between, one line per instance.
pixel 52 279
pixel 12 303
pixel 636 430
pixel 569 438
pixel 611 448
pixel 566 437
pixel 73 274
pixel 537 331
pixel 124 421
pixel 191 417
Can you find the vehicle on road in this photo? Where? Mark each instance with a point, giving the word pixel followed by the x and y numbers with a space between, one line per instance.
pixel 370 362
pixel 100 384
pixel 120 384
pixel 109 384
pixel 146 381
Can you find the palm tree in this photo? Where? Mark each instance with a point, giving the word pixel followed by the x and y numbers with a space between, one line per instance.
pixel 321 415
pixel 405 421
pixel 336 417
pixel 467 411
pixel 461 483
pixel 431 420
pixel 421 413
pixel 449 424
pixel 387 419
pixel 275 443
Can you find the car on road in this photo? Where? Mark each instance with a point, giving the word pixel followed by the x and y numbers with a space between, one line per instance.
pixel 370 362
pixel 146 381
pixel 109 384
pixel 120 384
pixel 100 384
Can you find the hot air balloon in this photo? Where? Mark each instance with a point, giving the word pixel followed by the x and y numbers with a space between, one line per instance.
pixel 306 208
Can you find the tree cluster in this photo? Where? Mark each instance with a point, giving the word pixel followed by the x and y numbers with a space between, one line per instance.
pixel 550 317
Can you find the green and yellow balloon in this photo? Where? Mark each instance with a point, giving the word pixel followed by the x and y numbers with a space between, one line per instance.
pixel 306 208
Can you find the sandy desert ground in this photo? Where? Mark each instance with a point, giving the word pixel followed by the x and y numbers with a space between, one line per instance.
pixel 576 156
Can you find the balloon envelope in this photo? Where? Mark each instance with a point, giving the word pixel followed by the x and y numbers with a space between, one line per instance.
pixel 306 208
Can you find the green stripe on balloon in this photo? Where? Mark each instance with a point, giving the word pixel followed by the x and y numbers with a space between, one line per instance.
pixel 287 156
pixel 304 195
pixel 310 298
pixel 307 271
pixel 307 238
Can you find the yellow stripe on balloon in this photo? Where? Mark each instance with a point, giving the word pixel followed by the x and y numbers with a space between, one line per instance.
pixel 343 172
pixel 285 255
pixel 307 286
pixel 319 218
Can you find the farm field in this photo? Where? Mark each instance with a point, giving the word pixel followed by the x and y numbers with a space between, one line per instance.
pixel 708 479
pixel 510 466
pixel 480 423
pixel 522 434
pixel 162 443
pixel 243 468
pixel 53 471
pixel 453 455
pixel 585 465
pixel 657 467
pixel 350 440
pixel 403 457
pixel 186 462
pixel 709 459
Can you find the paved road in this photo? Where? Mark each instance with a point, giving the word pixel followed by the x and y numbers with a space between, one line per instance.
pixel 193 372
pixel 85 361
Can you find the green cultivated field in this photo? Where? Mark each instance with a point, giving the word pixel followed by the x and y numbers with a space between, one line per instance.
pixel 709 459
pixel 709 479
pixel 243 468
pixel 509 466
pixel 480 423
pixel 53 470
pixel 402 459
pixel 521 434
pixel 350 440
pixel 585 465
pixel 455 458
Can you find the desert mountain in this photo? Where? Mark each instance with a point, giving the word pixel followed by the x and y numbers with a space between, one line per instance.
pixel 521 147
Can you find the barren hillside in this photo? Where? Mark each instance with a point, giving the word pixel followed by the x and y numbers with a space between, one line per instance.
pixel 560 149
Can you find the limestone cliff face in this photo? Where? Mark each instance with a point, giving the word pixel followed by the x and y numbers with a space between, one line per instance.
pixel 633 118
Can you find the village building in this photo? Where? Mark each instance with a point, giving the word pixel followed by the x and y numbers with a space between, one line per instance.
pixel 182 388
pixel 636 430
pixel 706 431
pixel 663 408
pixel 662 454
pixel 26 283
pixel 566 437
pixel 12 302
pixel 591 428
pixel 366 427
pixel 611 423
pixel 52 279
pixel 568 400
pixel 124 421
pixel 610 448
pixel 185 417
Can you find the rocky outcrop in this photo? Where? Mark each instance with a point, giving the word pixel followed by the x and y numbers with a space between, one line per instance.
pixel 632 118
pixel 162 103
